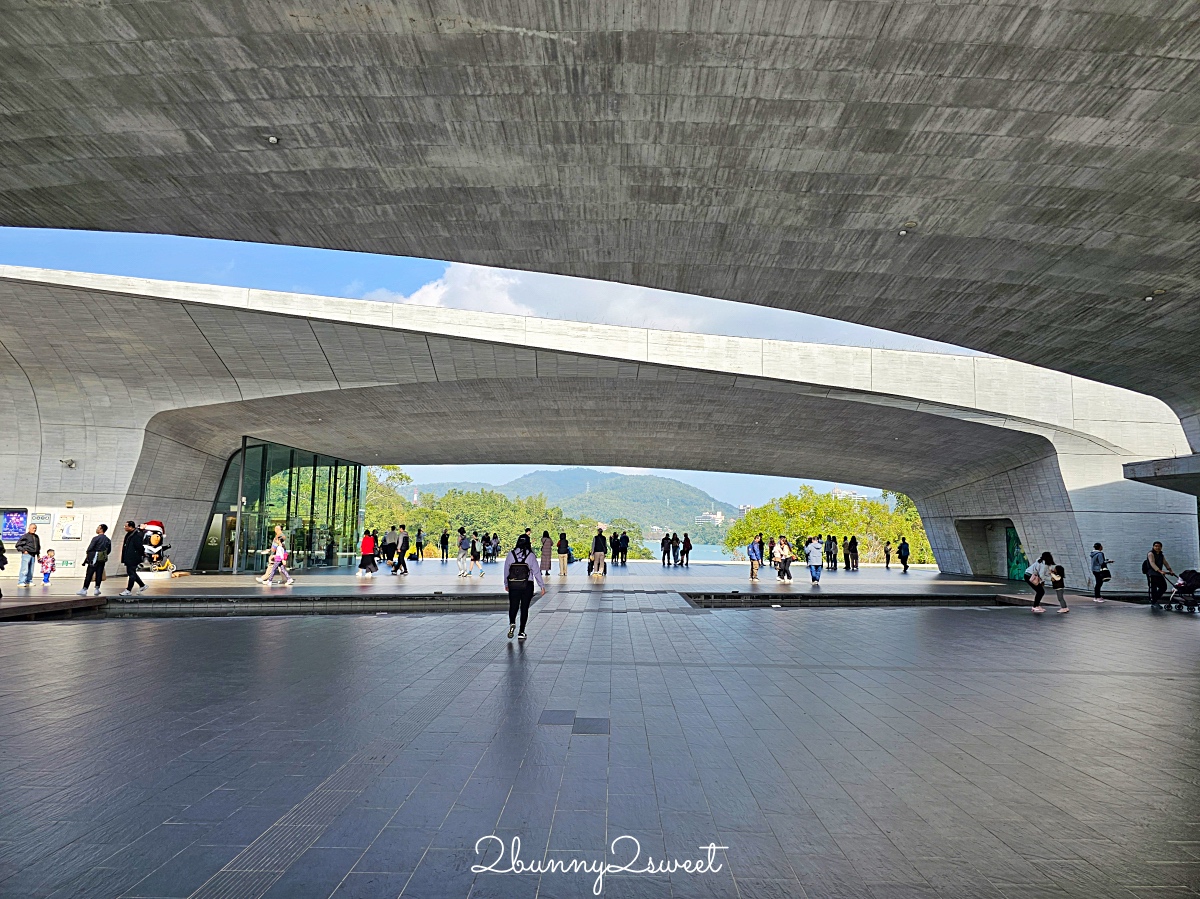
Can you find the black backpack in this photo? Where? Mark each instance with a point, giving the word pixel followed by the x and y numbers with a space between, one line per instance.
pixel 518 571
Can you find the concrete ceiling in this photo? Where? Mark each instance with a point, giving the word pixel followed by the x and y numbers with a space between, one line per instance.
pixel 757 151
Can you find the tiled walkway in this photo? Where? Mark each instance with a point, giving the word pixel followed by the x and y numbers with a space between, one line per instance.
pixel 837 753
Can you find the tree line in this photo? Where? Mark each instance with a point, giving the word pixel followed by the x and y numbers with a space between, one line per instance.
pixel 807 513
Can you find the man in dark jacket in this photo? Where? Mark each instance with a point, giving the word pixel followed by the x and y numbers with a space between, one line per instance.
pixel 29 545
pixel 599 551
pixel 624 548
pixel 133 549
pixel 95 559
pixel 401 563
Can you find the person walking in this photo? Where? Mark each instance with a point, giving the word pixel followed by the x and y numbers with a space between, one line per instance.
pixel 29 545
pixel 391 540
pixel 402 544
pixel 599 548
pixel 464 552
pixel 1100 572
pixel 853 552
pixel 665 545
pixel 547 552
pixel 519 579
pixel 133 550
pixel 279 556
pixel 1156 567
pixel 887 555
pixel 1036 576
pixel 420 542
pixel 754 552
pixel 814 553
pixel 770 555
pixel 685 550
pixel 476 554
pixel 444 544
pixel 1058 583
pixel 95 557
pixel 564 548
pixel 786 556
pixel 902 553
pixel 366 563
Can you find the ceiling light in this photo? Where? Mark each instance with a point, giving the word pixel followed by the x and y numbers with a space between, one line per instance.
pixel 904 228
pixel 1148 299
pixel 272 139
pixel 1159 291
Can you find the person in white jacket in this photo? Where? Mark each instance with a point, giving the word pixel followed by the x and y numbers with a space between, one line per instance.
pixel 1037 576
pixel 521 572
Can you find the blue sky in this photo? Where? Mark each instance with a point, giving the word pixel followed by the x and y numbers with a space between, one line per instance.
pixel 454 285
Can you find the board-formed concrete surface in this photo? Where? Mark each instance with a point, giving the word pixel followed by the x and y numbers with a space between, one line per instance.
pixel 838 754
pixel 152 403
pixel 766 152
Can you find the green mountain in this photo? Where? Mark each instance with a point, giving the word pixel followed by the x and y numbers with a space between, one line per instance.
pixel 441 487
pixel 652 501
pixel 648 500
pixel 558 486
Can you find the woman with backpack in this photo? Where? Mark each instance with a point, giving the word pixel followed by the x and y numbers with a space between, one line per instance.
pixel 1099 570
pixel 476 555
pixel 519 578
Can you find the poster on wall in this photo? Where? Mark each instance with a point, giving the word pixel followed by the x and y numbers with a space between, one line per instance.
pixel 42 519
pixel 12 523
pixel 69 526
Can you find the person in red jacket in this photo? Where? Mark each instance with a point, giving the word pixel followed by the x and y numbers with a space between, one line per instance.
pixel 366 565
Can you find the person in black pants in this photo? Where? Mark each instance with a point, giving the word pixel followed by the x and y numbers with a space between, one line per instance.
pixel 1156 568
pixel 133 549
pixel 95 558
pixel 521 571
pixel 401 564
pixel 444 543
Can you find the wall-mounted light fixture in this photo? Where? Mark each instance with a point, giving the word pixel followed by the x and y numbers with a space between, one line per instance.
pixel 70 463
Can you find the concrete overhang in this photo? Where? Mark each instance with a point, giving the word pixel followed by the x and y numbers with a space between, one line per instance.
pixel 1181 473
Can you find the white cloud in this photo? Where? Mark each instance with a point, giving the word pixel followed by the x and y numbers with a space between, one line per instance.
pixel 464 287
pixel 483 289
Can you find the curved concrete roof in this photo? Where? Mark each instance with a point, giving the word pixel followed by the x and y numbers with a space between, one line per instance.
pixel 152 384
pixel 760 152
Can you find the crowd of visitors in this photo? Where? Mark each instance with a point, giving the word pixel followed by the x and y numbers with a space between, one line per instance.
pixel 817 552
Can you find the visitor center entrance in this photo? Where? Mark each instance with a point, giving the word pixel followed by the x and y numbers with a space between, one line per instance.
pixel 317 500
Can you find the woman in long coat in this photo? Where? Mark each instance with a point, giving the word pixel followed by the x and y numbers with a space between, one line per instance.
pixel 547 551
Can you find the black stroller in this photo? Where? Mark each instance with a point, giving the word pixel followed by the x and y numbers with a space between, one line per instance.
pixel 1184 594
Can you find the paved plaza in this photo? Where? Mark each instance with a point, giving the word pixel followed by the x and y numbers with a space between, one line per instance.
pixel 434 584
pixel 951 752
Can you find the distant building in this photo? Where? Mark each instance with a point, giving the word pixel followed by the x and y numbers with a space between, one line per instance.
pixel 717 518
pixel 657 530
pixel 848 494
pixel 743 511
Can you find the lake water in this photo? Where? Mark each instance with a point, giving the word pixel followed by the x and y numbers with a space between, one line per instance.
pixel 701 552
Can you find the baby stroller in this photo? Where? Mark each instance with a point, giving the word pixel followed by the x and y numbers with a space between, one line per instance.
pixel 155 546
pixel 1184 594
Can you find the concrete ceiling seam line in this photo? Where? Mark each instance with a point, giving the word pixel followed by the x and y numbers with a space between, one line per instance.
pixel 326 375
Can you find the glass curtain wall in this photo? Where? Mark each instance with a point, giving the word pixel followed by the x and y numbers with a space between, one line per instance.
pixel 317 500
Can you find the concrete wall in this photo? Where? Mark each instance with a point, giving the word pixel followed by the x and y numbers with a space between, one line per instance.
pixel 172 375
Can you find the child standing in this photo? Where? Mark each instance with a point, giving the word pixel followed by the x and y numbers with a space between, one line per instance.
pixel 1058 582
pixel 47 562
